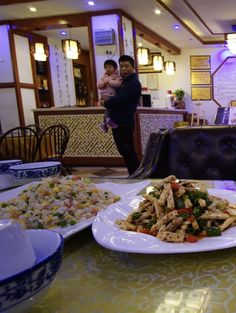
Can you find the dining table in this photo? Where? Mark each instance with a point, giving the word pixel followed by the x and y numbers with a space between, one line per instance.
pixel 96 279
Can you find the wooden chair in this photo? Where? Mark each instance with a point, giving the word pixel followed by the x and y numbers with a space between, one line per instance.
pixel 19 143
pixel 148 163
pixel 36 128
pixel 52 144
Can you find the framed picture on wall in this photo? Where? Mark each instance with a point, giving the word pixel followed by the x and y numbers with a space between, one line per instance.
pixel 201 93
pixel 200 62
pixel 201 78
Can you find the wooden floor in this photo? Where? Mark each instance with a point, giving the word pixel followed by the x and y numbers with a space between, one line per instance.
pixel 116 172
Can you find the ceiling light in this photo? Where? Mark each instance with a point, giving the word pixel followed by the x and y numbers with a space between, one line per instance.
pixel 33 9
pixel 231 42
pixel 63 33
pixel 170 67
pixel 71 47
pixel 91 3
pixel 158 62
pixel 157 11
pixel 40 51
pixel 176 27
pixel 143 54
pixel 63 22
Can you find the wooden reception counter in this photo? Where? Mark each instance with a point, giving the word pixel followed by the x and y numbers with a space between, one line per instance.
pixel 88 145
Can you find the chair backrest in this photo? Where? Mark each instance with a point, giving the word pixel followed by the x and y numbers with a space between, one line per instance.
pixel 196 153
pixel 53 142
pixel 36 128
pixel 19 143
pixel 148 162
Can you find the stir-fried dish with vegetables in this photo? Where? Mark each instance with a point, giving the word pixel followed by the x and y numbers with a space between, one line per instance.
pixel 176 211
pixel 57 202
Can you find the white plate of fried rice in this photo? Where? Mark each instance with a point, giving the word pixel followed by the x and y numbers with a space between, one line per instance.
pixel 66 205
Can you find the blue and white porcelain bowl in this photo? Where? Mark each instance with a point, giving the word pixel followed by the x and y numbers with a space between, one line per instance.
pixel 19 292
pixel 27 172
pixel 5 176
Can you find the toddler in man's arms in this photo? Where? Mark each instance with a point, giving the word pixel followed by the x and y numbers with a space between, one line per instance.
pixel 107 85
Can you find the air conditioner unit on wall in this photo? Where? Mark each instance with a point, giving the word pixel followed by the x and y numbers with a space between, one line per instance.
pixel 104 36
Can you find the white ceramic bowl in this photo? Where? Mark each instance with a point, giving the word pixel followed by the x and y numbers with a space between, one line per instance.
pixel 5 176
pixel 16 251
pixel 19 292
pixel 27 172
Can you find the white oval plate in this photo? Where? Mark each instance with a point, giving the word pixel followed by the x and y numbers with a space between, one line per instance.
pixel 122 190
pixel 110 236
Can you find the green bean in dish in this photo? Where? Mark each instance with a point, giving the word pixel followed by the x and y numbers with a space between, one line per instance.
pixel 177 211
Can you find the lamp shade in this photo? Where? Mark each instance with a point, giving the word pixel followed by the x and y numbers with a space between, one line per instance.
pixel 143 56
pixel 71 48
pixel 158 62
pixel 39 51
pixel 170 67
pixel 231 42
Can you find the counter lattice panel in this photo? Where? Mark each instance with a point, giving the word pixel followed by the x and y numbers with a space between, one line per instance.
pixel 86 137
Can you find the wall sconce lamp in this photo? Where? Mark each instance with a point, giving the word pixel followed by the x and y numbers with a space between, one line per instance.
pixel 231 42
pixel 40 51
pixel 143 54
pixel 71 48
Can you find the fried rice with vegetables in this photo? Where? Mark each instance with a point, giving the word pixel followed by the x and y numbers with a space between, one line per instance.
pixel 56 202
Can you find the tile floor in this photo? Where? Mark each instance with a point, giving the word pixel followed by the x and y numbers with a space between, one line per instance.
pixel 116 172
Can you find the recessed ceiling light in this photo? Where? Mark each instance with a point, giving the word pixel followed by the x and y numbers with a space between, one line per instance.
pixel 91 3
pixel 157 11
pixel 63 33
pixel 176 27
pixel 63 22
pixel 33 9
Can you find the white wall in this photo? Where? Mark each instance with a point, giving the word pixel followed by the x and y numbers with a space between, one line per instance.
pixel 8 106
pixel 23 59
pixel 6 73
pixel 8 109
pixel 105 22
pixel 128 39
pixel 181 79
pixel 28 103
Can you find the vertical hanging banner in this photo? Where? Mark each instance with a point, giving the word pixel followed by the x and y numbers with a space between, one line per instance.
pixel 62 77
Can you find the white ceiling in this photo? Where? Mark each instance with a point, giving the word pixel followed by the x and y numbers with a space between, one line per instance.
pixel 201 21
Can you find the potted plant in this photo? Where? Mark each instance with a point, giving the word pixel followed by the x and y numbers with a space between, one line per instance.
pixel 179 93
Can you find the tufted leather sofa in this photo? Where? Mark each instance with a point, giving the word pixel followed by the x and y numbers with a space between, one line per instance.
pixel 207 152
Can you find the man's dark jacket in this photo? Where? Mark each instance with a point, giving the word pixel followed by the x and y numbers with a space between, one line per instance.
pixel 124 104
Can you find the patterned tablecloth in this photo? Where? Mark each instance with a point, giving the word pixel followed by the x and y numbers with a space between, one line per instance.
pixel 93 279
